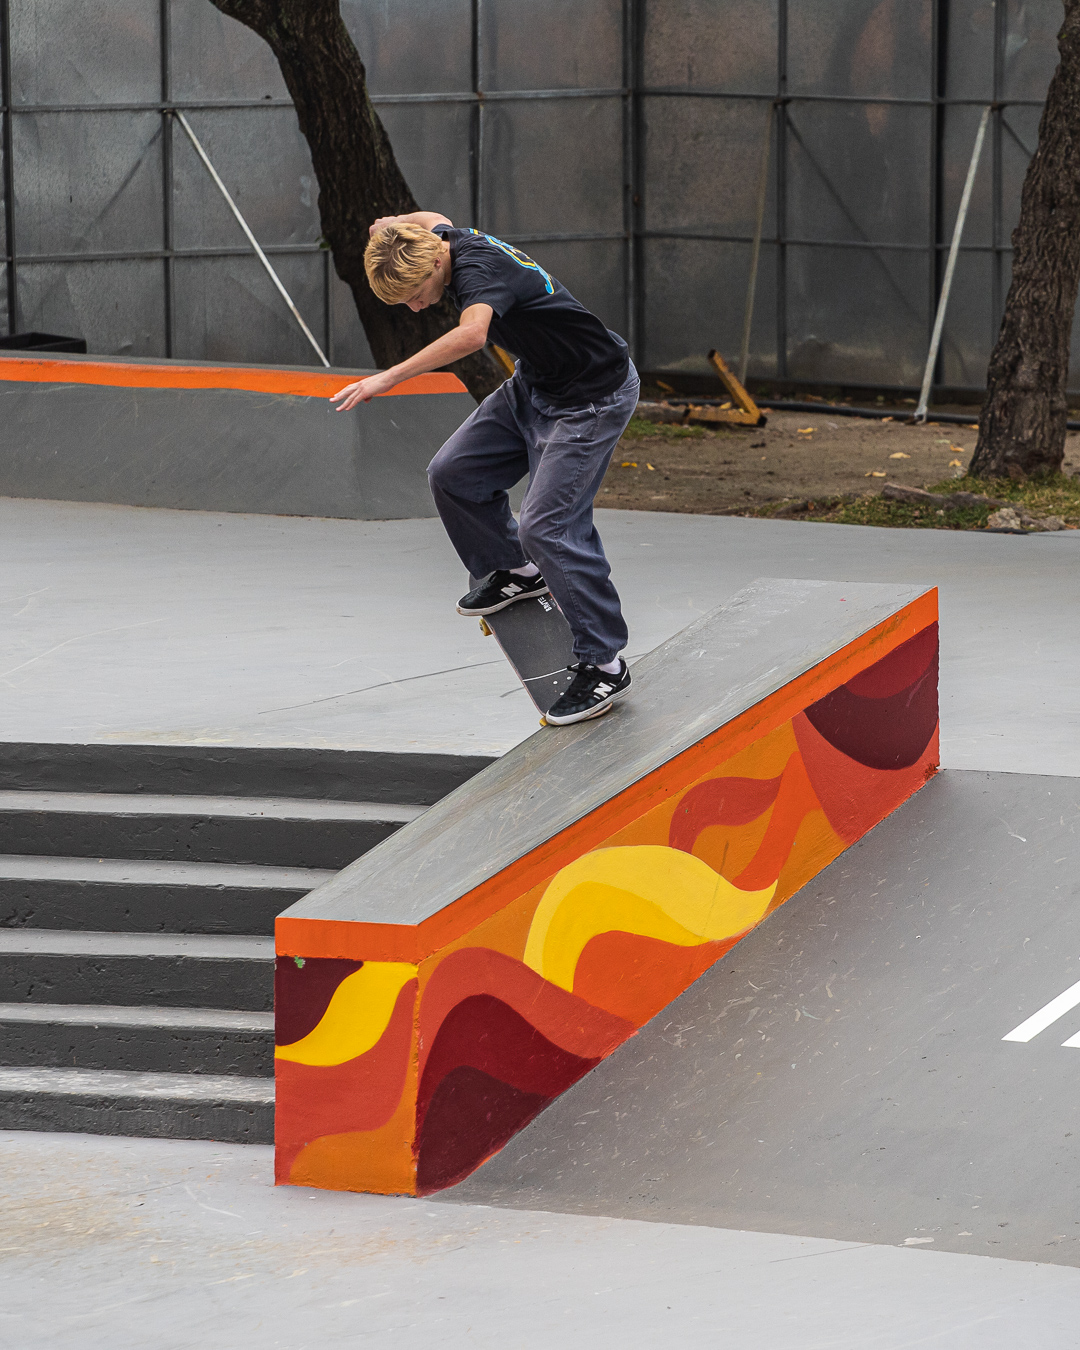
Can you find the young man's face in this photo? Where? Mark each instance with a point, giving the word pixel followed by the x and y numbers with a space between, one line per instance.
pixel 430 293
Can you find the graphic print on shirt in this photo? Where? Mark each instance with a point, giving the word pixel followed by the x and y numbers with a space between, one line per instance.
pixel 522 259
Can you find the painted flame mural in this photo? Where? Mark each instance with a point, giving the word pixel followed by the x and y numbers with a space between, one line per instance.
pixel 404 1078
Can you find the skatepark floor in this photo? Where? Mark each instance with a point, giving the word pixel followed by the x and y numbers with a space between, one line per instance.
pixel 825 1144
pixel 123 624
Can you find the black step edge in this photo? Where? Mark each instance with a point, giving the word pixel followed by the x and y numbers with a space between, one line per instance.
pixel 402 777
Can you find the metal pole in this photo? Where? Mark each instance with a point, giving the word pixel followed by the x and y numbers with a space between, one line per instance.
pixel 946 286
pixel 251 238
pixel 167 232
pixel 781 189
pixel 755 250
pixel 9 167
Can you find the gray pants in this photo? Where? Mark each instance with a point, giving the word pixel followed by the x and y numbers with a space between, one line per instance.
pixel 565 452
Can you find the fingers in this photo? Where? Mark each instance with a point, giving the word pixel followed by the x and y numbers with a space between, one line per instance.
pixel 350 396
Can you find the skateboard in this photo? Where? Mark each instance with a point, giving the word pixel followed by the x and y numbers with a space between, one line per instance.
pixel 536 639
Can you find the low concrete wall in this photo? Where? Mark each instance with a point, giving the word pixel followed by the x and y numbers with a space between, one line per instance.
pixel 236 438
pixel 440 991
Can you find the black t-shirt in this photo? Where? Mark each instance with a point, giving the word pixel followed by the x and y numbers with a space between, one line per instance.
pixel 566 353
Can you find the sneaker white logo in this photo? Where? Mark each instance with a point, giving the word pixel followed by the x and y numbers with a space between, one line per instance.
pixel 511 589
pixel 604 689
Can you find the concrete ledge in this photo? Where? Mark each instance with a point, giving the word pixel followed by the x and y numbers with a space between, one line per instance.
pixel 220 438
pixel 443 989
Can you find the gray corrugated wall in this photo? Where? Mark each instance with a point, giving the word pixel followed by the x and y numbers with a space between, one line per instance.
pixel 119 235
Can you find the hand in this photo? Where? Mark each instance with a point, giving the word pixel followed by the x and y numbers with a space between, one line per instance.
pixel 363 391
pixel 382 223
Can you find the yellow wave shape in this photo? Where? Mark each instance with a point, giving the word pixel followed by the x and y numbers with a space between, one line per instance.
pixel 647 889
pixel 356 1016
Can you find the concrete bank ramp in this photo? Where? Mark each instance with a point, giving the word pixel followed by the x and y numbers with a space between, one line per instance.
pixel 436 995
pixel 842 1073
pixel 206 437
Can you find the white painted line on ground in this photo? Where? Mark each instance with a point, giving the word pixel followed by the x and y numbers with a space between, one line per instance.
pixel 1057 1007
pixel 1073 1043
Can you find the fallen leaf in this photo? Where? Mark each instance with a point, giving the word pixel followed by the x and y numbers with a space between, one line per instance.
pixel 651 468
pixel 886 419
pixel 805 431
pixel 974 426
pixel 957 449
pixel 724 406
pixel 875 473
pixel 899 454
pixel 628 464
pixel 955 464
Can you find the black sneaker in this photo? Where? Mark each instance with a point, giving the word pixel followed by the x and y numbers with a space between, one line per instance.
pixel 592 692
pixel 499 590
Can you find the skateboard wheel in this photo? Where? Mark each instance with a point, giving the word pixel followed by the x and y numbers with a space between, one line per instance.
pixel 543 721
pixel 484 628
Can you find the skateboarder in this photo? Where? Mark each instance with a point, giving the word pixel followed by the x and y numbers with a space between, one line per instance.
pixel 558 418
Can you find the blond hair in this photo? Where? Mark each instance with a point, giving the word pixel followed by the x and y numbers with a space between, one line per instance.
pixel 399 259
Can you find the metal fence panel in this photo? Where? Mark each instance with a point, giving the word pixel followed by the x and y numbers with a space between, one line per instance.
pixel 591 270
pixel 969 49
pixel 859 172
pixel 67 51
pixel 413 46
pixel 711 44
pixel 1030 56
pixel 264 162
pixel 550 44
pixel 694 293
pixel 227 309
pixel 514 115
pixel 966 342
pixel 856 315
pixel 89 182
pixel 118 301
pixel 701 165
pixel 216 58
pixel 553 166
pixel 861 48
pixel 433 145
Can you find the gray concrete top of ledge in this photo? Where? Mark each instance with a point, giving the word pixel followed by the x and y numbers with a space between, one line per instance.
pixel 768 634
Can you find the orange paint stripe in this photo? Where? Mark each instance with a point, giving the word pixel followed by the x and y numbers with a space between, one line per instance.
pixel 120 375
pixel 369 942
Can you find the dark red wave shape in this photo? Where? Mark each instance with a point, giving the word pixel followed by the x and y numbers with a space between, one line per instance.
pixel 720 801
pixel 470 1116
pixel 563 1018
pixel 482 1032
pixel 887 732
pixel 900 669
pixel 853 797
pixel 302 993
pixel 361 1094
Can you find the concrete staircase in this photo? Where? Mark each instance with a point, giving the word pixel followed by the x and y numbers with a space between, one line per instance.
pixel 138 891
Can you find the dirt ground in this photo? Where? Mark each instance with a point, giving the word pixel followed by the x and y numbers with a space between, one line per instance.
pixel 797 455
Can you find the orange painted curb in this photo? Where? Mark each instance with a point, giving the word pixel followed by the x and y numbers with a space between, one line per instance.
pixel 118 374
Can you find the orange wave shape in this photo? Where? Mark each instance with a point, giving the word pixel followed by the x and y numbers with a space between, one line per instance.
pixel 359 1095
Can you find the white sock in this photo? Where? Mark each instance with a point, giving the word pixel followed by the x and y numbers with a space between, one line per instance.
pixel 612 667
pixel 529 571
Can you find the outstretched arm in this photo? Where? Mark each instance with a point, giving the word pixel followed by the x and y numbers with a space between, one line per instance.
pixel 427 220
pixel 469 336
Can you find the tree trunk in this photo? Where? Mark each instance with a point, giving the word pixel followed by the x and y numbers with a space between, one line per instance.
pixel 1023 422
pixel 359 179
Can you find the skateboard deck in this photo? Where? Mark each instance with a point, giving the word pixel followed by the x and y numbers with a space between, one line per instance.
pixel 536 639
